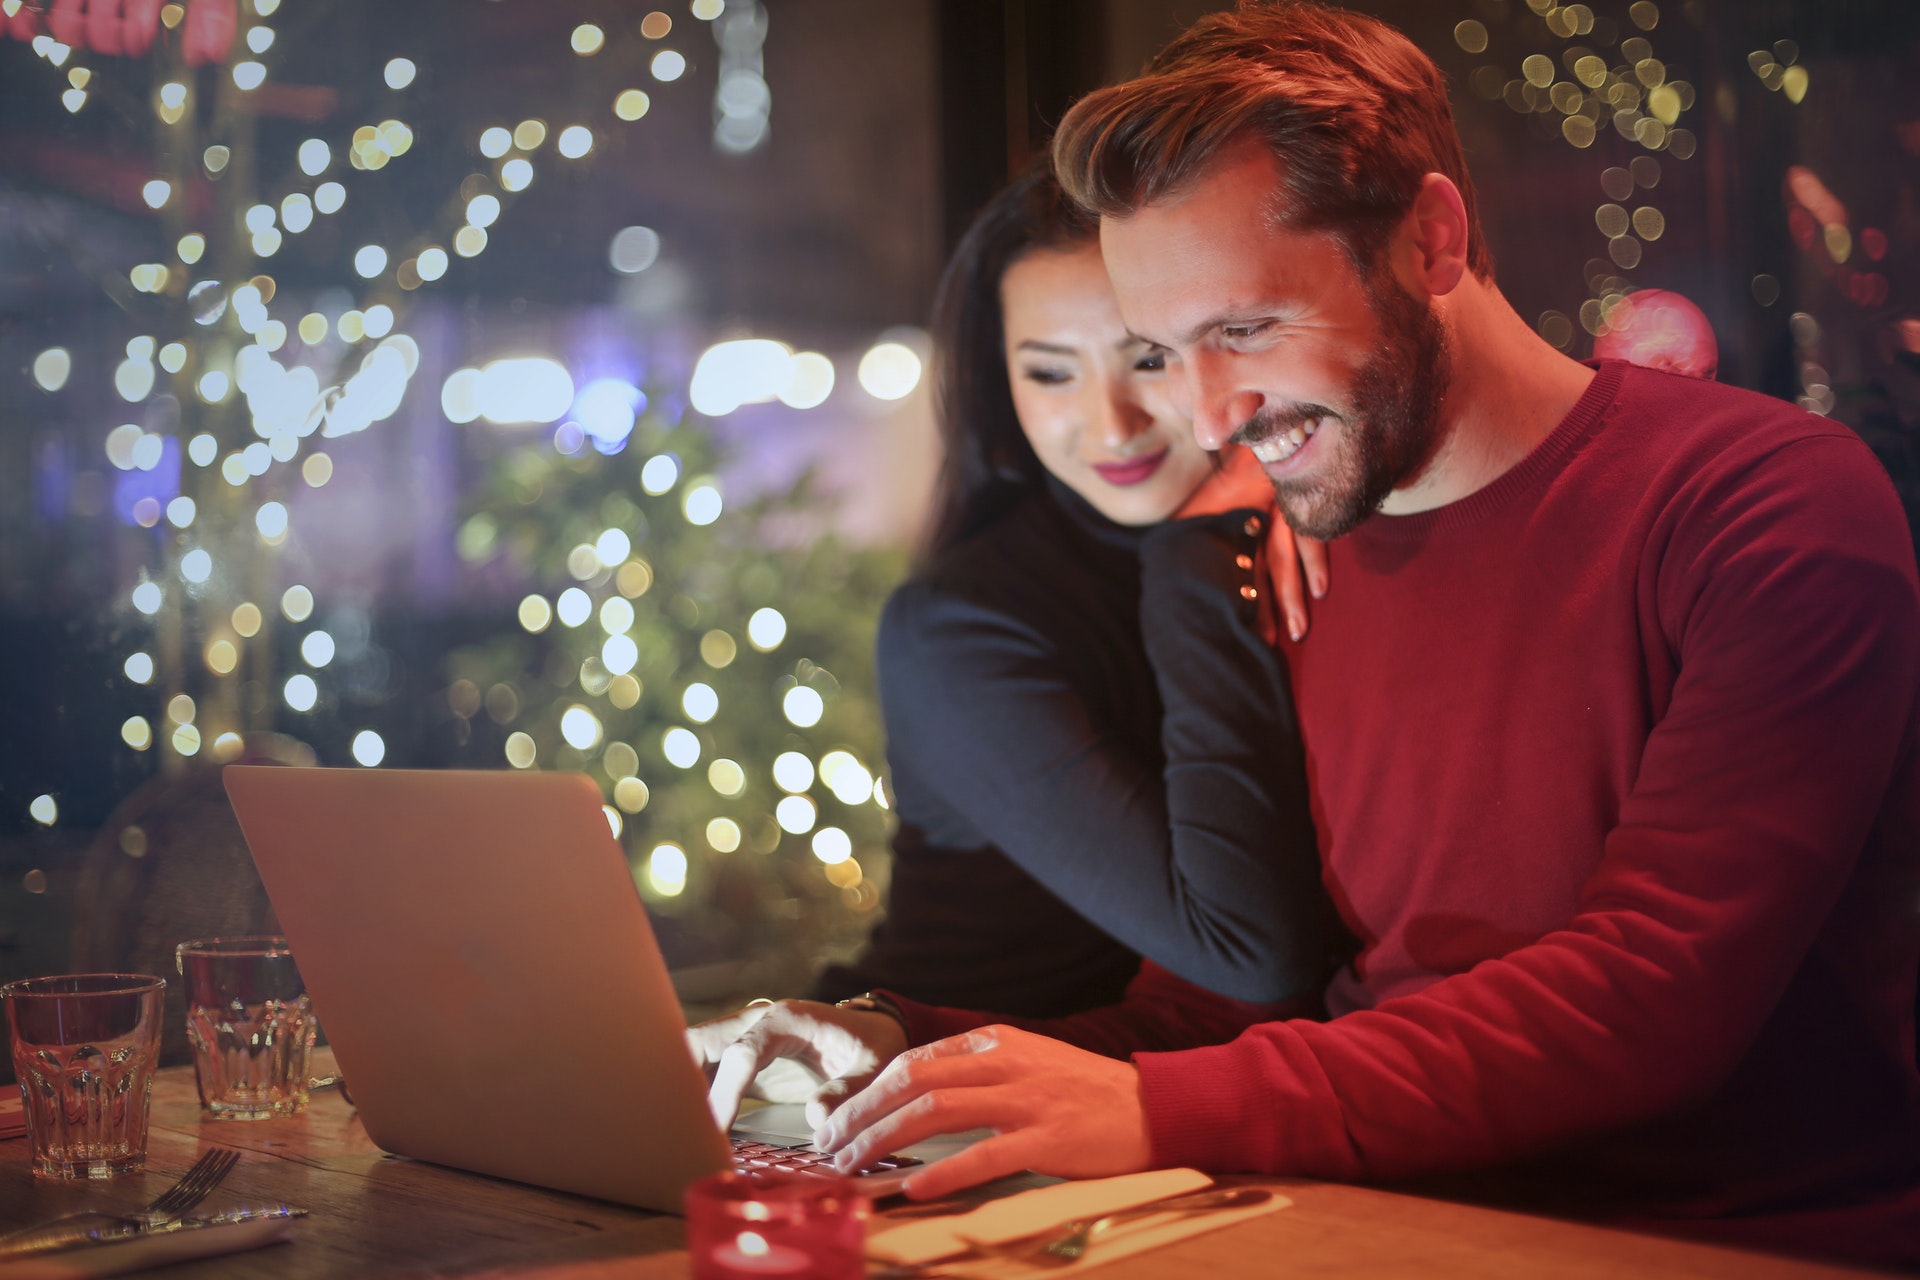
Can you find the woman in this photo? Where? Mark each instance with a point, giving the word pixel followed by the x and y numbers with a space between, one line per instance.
pixel 1092 747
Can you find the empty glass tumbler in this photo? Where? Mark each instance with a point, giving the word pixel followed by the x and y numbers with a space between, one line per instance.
pixel 84 1050
pixel 250 1024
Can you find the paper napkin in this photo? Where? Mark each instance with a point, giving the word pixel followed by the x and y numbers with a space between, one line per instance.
pixel 157 1250
pixel 928 1240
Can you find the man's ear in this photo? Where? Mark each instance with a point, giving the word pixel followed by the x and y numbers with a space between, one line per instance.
pixel 1429 247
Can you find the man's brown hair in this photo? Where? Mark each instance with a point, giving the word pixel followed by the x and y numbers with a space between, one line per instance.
pixel 1355 114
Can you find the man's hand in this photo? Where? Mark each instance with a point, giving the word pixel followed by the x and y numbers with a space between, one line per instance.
pixel 1053 1109
pixel 793 1051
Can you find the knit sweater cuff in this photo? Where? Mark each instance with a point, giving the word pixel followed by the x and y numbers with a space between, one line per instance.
pixel 926 1023
pixel 1260 1104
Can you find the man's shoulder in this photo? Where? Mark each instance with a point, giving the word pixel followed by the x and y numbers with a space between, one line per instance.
pixel 1682 437
pixel 1673 416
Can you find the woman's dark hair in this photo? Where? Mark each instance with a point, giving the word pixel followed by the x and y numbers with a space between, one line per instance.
pixel 988 463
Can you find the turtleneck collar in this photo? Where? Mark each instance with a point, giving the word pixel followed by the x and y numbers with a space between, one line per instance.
pixel 1096 526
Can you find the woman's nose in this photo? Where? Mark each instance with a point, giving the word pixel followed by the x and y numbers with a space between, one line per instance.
pixel 1121 419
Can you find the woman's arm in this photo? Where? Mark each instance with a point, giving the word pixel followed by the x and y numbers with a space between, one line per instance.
pixel 1207 866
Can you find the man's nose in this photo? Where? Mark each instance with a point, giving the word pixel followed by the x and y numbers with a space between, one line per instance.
pixel 1219 407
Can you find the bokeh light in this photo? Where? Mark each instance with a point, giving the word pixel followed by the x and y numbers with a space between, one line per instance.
pixel 702 503
pixel 580 727
pixel 889 371
pixel 520 750
pixel 667 870
pixel 573 607
pixel 52 367
pixel 831 845
pixel 317 648
pixel 700 702
pixel 795 814
pixel 658 475
pixel 792 772
pixel 681 747
pixel 369 749
pixel 766 629
pixel 300 692
pixel 803 706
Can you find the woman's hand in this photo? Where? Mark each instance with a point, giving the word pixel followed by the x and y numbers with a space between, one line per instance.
pixel 1296 566
pixel 793 1051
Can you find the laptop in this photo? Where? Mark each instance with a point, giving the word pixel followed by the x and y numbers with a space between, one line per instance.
pixel 476 948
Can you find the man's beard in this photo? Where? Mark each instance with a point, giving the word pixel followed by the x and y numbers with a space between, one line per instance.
pixel 1387 432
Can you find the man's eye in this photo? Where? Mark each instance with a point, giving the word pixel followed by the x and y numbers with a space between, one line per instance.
pixel 1241 332
pixel 1152 362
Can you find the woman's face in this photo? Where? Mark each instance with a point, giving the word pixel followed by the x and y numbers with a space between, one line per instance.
pixel 1091 398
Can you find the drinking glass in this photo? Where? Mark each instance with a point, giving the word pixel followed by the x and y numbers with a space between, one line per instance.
pixel 84 1050
pixel 250 1024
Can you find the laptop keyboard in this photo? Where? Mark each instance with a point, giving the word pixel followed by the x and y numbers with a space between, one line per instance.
pixel 751 1156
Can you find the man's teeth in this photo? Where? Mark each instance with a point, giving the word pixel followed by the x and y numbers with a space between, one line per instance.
pixel 1283 445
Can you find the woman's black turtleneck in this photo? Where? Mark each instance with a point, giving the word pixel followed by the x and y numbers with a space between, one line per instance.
pixel 1094 758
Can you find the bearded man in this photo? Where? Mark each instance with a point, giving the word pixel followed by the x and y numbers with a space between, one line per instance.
pixel 1612 726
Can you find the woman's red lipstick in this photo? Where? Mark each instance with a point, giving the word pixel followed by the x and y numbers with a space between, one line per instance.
pixel 1132 472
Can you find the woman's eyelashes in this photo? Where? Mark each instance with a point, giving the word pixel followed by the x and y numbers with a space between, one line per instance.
pixel 1047 375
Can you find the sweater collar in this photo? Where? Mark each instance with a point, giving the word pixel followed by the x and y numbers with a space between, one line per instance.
pixel 1091 522
pixel 1523 477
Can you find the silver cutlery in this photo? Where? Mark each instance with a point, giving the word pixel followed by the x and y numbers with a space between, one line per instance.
pixel 1065 1243
pixel 171 1205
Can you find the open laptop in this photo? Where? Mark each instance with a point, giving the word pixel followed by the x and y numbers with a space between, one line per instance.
pixel 477 950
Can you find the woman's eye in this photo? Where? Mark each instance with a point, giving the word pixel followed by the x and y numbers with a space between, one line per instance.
pixel 1046 377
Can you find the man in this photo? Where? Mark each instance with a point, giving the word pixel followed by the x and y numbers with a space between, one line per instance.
pixel 1611 725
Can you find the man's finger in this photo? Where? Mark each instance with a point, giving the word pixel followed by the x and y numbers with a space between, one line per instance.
pixel 905 1078
pixel 828 1097
pixel 938 1111
pixel 985 1160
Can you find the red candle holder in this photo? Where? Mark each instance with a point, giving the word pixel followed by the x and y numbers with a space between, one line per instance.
pixel 749 1226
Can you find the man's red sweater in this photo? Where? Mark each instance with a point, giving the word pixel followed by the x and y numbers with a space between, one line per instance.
pixel 1616 770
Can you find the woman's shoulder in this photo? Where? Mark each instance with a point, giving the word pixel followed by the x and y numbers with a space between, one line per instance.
pixel 1011 576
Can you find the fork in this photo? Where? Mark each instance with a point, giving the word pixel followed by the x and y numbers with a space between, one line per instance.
pixel 195 1185
pixel 1065 1244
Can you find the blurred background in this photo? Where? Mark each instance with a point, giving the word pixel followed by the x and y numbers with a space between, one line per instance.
pixel 512 384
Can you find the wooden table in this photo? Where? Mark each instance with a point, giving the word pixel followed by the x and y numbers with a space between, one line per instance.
pixel 377 1216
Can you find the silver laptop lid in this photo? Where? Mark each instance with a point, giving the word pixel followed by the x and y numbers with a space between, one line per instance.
pixel 477 952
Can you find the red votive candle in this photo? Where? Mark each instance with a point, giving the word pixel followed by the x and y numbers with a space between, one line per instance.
pixel 748 1226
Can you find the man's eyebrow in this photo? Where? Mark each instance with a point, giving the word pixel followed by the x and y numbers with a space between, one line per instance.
pixel 1207 326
